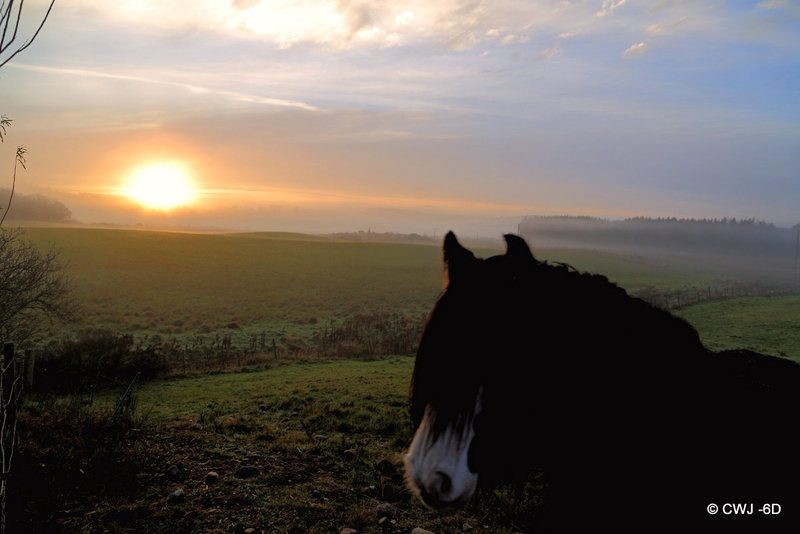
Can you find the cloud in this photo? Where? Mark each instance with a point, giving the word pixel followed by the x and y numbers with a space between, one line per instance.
pixel 192 88
pixel 609 6
pixel 636 50
pixel 406 17
pixel 508 39
pixel 549 53
pixel 244 4
pixel 661 29
pixel 358 17
pixel 347 24
pixel 772 4
pixel 792 8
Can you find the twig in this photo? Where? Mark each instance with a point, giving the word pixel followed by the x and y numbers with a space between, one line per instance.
pixel 124 396
pixel 11 40
pixel 20 159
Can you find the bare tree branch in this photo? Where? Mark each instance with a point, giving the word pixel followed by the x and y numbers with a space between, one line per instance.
pixel 20 159
pixel 6 17
pixel 5 122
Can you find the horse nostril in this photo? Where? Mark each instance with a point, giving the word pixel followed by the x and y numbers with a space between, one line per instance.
pixel 439 484
pixel 445 484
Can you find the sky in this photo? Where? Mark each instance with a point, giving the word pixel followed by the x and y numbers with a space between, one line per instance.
pixel 420 116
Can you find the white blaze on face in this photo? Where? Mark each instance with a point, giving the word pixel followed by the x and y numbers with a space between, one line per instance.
pixel 437 466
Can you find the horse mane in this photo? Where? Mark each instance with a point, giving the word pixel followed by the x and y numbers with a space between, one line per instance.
pixel 584 290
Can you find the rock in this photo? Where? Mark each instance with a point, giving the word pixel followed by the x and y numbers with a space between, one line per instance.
pixel 320 437
pixel 212 477
pixel 386 468
pixel 247 471
pixel 466 528
pixel 177 496
pixel 173 472
pixel 348 531
pixel 249 531
pixel 421 531
pixel 385 510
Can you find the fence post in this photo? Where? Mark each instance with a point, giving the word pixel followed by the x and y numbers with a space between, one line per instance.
pixel 7 366
pixel 8 422
pixel 796 256
pixel 30 361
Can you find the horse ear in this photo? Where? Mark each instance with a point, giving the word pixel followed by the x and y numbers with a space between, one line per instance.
pixel 517 249
pixel 457 259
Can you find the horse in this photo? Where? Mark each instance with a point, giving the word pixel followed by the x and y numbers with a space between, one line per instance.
pixel 526 366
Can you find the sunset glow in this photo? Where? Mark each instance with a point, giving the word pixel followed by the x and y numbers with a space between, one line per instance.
pixel 161 186
pixel 416 116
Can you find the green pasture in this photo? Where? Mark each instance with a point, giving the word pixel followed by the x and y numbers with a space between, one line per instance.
pixel 178 285
pixel 770 325
pixel 326 439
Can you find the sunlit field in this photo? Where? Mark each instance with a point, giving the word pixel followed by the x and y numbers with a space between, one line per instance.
pixel 181 284
pixel 177 284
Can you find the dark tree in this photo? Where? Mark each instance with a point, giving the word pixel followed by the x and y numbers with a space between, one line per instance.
pixel 33 288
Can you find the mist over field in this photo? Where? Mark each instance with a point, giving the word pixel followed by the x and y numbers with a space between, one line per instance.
pixel 39 208
pixel 744 247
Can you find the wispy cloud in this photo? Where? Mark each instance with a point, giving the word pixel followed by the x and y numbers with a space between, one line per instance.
pixel 636 50
pixel 661 29
pixel 548 53
pixel 609 6
pixel 788 6
pixel 196 89
pixel 348 24
pixel 459 25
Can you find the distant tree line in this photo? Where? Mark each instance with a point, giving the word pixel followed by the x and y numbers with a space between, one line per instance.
pixel 728 237
pixel 36 208
pixel 382 237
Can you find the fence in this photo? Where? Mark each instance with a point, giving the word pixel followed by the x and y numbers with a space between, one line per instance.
pixel 10 393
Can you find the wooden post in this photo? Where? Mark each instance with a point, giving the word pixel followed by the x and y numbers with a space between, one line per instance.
pixel 8 422
pixel 8 369
pixel 30 360
pixel 796 256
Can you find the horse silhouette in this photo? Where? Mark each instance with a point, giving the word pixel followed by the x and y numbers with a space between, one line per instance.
pixel 526 366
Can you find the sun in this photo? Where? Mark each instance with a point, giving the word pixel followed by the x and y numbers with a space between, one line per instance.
pixel 161 186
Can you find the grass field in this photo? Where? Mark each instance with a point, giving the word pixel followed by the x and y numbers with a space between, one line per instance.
pixel 181 285
pixel 326 439
pixel 325 436
pixel 770 325
pixel 176 284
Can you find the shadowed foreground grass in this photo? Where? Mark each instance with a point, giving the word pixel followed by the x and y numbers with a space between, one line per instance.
pixel 325 439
